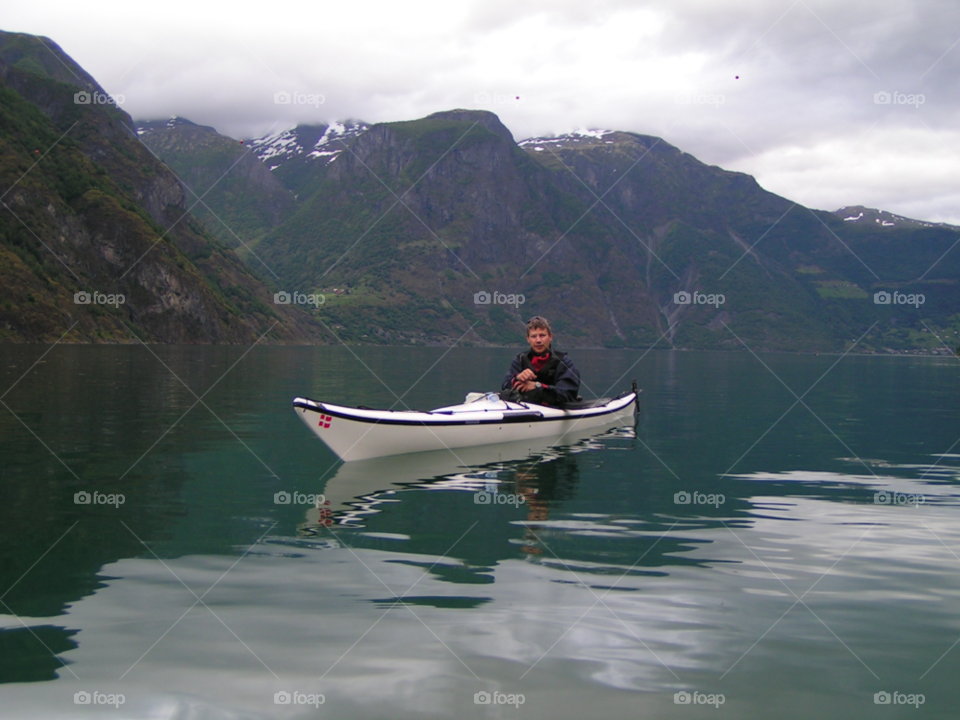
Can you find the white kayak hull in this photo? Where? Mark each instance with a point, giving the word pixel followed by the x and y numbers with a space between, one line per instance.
pixel 361 434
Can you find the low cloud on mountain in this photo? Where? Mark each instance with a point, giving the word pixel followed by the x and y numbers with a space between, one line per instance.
pixel 791 92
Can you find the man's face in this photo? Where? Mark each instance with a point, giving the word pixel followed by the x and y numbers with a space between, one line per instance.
pixel 539 340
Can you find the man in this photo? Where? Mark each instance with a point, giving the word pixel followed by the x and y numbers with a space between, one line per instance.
pixel 542 375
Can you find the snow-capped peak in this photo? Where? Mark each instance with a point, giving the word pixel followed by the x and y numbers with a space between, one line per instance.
pixel 588 136
pixel 314 142
pixel 283 144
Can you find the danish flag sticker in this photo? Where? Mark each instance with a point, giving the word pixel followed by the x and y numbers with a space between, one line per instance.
pixel 325 421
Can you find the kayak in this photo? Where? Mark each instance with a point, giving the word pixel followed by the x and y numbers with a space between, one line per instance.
pixel 362 433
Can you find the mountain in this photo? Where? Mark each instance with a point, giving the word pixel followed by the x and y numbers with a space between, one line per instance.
pixel 88 213
pixel 598 230
pixel 415 218
pixel 822 266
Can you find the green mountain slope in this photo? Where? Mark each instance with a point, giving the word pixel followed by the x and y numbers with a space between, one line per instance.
pixel 42 56
pixel 86 208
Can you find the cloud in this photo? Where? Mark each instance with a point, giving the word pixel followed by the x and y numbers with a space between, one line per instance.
pixel 797 81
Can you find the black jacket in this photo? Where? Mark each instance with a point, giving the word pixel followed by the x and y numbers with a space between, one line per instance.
pixel 559 376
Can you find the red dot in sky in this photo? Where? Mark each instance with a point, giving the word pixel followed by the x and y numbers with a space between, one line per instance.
pixel 737 77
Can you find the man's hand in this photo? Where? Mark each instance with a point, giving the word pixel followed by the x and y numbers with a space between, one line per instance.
pixel 525 386
pixel 526 375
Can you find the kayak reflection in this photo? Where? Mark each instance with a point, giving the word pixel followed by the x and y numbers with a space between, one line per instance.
pixel 466 509
pixel 526 470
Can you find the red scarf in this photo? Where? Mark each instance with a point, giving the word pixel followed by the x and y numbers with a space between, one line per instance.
pixel 538 361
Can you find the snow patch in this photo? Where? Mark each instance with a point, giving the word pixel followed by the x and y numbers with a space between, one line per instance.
pixel 585 132
pixel 286 144
pixel 572 138
pixel 282 145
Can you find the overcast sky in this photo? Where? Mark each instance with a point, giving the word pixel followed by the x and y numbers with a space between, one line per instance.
pixel 783 90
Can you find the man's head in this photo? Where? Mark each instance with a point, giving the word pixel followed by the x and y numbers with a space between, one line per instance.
pixel 539 335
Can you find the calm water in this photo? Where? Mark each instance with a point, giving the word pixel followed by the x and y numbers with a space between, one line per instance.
pixel 797 594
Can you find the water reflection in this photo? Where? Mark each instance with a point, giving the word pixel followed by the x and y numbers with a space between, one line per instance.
pixel 427 504
pixel 29 654
pixel 539 469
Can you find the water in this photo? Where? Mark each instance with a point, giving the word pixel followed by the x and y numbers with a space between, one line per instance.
pixel 797 594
